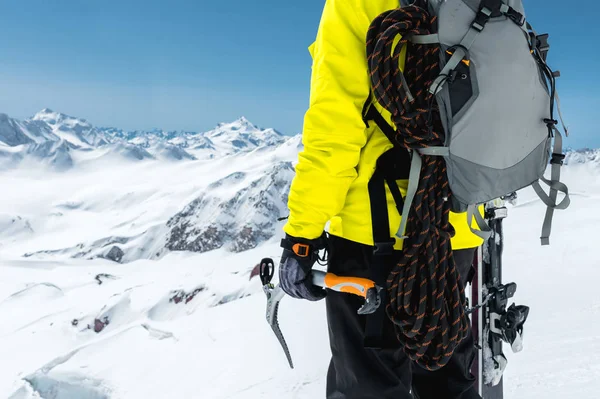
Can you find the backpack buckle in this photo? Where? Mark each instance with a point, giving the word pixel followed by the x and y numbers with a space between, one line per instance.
pixel 384 248
pixel 557 159
pixel 542 44
pixel 515 16
pixel 482 18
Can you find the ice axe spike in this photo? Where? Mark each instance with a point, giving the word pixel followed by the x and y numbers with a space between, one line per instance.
pixel 352 285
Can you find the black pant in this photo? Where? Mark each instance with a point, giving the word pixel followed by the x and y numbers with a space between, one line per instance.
pixel 356 372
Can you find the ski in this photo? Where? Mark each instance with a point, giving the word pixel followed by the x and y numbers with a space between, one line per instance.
pixel 492 322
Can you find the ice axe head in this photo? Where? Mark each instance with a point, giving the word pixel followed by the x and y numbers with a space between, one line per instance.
pixel 352 285
pixel 372 301
pixel 266 271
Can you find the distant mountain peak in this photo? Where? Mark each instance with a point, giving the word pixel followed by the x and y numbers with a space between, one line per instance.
pixel 239 124
pixel 46 114
pixel 49 116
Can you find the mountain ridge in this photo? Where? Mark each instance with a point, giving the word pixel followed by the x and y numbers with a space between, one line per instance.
pixel 39 137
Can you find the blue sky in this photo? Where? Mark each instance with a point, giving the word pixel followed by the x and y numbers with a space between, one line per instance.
pixel 191 64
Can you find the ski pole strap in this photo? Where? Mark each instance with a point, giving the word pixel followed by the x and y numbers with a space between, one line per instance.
pixel 555 187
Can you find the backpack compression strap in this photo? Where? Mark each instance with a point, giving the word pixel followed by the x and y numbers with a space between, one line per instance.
pixel 539 48
pixel 555 187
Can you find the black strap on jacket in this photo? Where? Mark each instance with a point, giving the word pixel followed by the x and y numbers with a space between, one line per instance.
pixel 382 256
pixel 393 165
pixel 370 113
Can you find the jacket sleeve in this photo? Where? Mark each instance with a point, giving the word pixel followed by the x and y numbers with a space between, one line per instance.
pixel 334 132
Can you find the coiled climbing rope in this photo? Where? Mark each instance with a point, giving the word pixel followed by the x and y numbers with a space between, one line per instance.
pixel 427 299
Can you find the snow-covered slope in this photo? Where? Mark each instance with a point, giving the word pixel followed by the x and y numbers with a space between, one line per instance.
pixel 14 132
pixel 146 200
pixel 171 152
pixel 588 156
pixel 201 207
pixel 193 325
pixel 56 154
pixel 246 217
pixel 102 296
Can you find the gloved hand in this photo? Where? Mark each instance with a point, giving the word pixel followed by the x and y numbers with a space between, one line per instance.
pixel 298 257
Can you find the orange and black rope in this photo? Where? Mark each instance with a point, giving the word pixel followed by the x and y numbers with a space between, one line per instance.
pixel 427 299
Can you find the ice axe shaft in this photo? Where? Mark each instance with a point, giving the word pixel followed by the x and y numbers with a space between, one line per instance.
pixel 349 285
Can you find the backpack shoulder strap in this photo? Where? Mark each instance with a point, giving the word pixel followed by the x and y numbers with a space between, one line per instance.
pixel 370 113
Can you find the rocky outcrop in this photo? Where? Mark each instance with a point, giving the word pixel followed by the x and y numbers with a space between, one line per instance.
pixel 241 222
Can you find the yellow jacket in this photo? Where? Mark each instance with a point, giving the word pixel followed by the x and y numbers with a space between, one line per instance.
pixel 340 152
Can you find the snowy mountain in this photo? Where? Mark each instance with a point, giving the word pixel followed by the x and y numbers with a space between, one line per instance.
pixel 53 139
pixel 226 139
pixel 132 173
pixel 171 152
pixel 208 222
pixel 583 156
pixel 14 132
pixel 76 131
pixel 126 260
pixel 241 135
pixel 192 325
pixel 56 154
pixel 249 174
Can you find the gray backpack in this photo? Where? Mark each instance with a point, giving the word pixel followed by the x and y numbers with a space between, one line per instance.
pixel 498 113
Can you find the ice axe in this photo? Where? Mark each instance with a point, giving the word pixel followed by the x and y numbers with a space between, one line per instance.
pixel 353 285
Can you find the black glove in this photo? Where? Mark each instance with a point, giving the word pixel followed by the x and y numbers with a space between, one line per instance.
pixel 298 257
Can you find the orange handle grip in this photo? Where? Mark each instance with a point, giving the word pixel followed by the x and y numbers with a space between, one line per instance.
pixel 351 285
